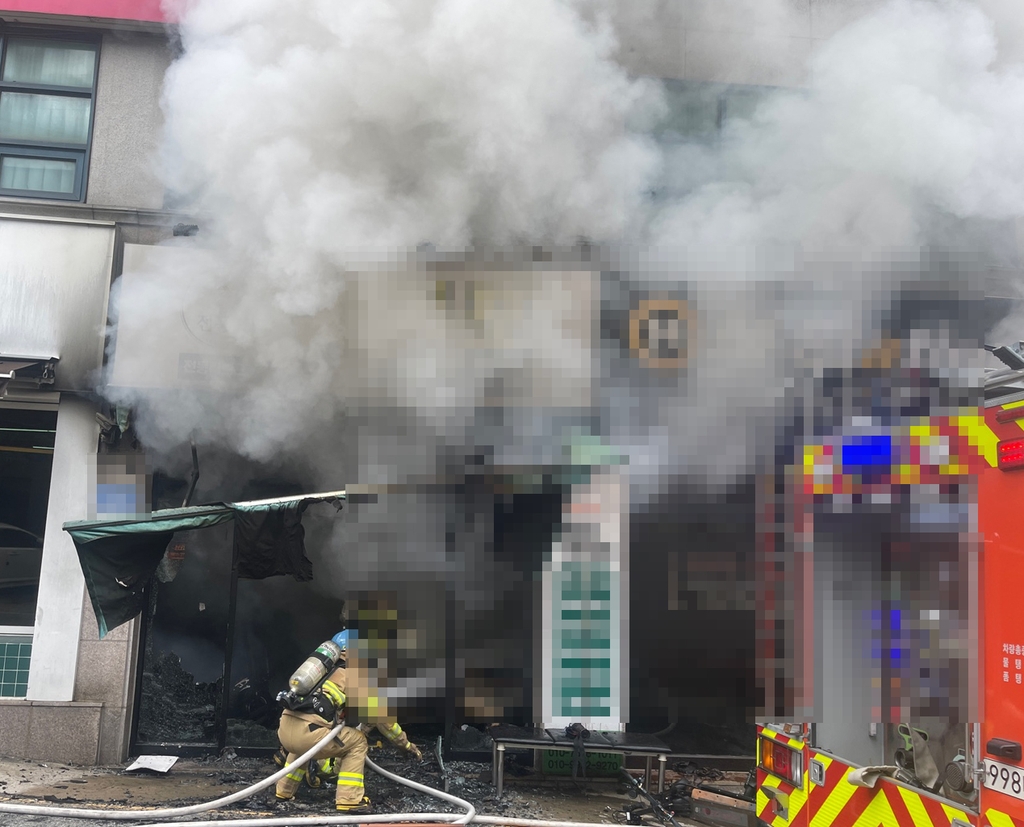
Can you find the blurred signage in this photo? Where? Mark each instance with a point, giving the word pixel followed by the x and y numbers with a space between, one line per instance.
pixel 658 332
pixel 150 11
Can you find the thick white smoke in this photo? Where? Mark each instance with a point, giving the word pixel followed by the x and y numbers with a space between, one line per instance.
pixel 909 123
pixel 323 143
pixel 328 132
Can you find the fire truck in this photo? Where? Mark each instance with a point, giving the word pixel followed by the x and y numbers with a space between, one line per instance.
pixel 890 623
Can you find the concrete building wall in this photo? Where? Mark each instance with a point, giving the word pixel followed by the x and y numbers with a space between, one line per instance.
pixel 55 274
pixel 61 584
pixel 77 707
pixel 127 121
pixel 68 714
pixel 106 676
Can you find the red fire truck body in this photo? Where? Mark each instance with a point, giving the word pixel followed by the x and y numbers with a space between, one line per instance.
pixel 902 636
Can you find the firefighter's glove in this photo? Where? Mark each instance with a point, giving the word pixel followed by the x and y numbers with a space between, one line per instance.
pixel 400 740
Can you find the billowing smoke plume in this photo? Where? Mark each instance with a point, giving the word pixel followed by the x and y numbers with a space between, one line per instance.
pixel 340 156
pixel 804 220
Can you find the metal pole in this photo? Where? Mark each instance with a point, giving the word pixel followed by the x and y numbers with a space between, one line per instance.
pixel 229 646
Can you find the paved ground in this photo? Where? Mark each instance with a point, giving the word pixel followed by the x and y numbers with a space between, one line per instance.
pixel 107 789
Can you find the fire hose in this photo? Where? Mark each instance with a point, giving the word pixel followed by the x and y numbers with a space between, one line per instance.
pixel 469 816
pixel 175 812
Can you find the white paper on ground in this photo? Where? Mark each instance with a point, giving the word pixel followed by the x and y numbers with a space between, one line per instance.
pixel 159 763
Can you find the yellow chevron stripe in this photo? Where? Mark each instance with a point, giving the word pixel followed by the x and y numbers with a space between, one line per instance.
pixel 978 433
pixel 772 782
pixel 797 801
pixel 915 806
pixel 954 812
pixel 878 812
pixel 830 807
pixel 998 819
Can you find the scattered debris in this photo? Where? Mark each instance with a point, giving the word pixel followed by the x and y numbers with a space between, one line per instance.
pixel 175 708
pixel 695 775
pixel 156 763
pixel 694 796
pixel 470 739
pixel 652 806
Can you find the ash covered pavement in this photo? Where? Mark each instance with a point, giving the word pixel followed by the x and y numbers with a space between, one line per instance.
pixel 197 781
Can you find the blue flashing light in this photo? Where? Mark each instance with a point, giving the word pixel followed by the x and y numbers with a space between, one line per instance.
pixel 894 620
pixel 867 454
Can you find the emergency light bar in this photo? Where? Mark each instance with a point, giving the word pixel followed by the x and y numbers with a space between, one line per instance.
pixel 1010 453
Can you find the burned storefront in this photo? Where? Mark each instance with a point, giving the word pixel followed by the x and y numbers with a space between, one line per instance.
pixel 520 572
pixel 501 556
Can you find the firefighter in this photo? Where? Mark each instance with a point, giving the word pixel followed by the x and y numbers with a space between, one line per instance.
pixel 300 729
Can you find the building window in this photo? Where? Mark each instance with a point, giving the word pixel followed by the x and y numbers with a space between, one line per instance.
pixel 47 88
pixel 26 460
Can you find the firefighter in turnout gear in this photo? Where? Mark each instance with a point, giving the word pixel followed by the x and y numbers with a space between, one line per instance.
pixel 310 720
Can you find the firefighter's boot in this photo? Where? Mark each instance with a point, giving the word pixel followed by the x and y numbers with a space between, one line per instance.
pixel 359 808
pixel 350 792
pixel 289 784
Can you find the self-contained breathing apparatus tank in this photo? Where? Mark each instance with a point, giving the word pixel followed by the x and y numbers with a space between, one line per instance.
pixel 314 670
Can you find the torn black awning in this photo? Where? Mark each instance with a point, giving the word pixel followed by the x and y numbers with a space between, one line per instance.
pixel 269 540
pixel 120 557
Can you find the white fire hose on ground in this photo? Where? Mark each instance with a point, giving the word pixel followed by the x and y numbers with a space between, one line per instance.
pixel 469 816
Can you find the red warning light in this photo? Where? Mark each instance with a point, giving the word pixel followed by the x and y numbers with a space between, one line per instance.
pixel 1010 453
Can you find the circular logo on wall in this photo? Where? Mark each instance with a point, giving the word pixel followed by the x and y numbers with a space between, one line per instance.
pixel 658 332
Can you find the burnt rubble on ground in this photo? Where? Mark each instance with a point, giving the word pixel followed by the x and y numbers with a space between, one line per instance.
pixel 469 780
pixel 174 706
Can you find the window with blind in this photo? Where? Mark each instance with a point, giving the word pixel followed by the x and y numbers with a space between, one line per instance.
pixel 47 88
